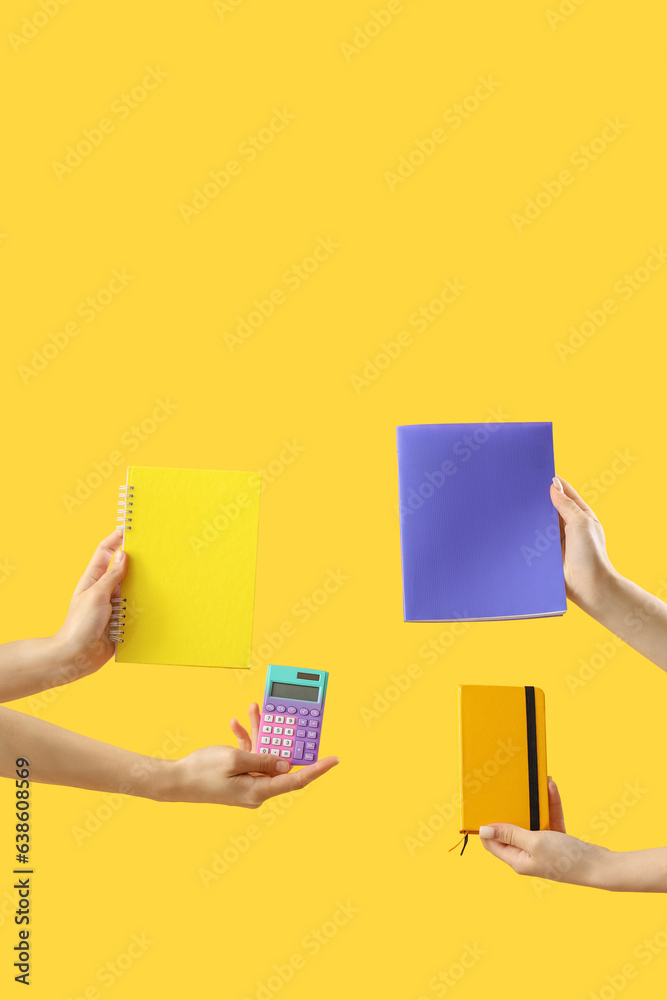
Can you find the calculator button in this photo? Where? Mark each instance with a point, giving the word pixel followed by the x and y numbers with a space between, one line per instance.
pixel 269 708
pixel 290 720
pixel 278 730
pixel 289 732
pixel 266 729
pixel 291 709
pixel 276 753
pixel 314 711
pixel 311 746
pixel 285 753
pixel 303 711
pixel 275 741
pixel 265 739
pixel 313 723
pixel 287 743
pixel 301 732
pixel 263 749
pixel 309 756
pixel 268 718
pixel 298 751
pixel 280 708
pixel 279 719
pixel 311 734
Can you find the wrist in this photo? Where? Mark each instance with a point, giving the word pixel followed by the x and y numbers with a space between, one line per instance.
pixel 165 782
pixel 602 594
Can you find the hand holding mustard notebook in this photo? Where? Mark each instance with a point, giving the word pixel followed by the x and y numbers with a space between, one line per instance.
pixel 503 757
pixel 191 539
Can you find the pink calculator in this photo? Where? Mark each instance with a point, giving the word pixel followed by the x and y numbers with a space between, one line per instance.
pixel 291 716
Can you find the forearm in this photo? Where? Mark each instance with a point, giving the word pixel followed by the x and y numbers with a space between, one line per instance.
pixel 28 666
pixel 60 757
pixel 633 871
pixel 634 615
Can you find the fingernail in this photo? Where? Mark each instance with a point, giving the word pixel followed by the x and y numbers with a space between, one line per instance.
pixel 549 778
pixel 488 832
pixel 282 766
pixel 557 483
pixel 118 557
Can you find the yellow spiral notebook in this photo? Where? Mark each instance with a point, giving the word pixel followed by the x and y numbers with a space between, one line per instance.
pixel 191 540
pixel 503 757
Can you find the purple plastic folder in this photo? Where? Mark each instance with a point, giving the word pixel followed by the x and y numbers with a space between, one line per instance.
pixel 480 539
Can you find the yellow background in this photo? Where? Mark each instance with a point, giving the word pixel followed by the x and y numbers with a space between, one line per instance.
pixel 333 507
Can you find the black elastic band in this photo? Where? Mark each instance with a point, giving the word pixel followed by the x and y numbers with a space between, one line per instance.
pixel 465 844
pixel 533 783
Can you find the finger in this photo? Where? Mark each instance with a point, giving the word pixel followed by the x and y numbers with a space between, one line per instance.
pixel 556 818
pixel 262 763
pixel 568 509
pixel 109 581
pixel 507 833
pixel 98 564
pixel 295 780
pixel 570 492
pixel 506 852
pixel 254 716
pixel 241 734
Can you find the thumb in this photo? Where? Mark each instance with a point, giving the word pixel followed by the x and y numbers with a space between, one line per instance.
pixel 115 572
pixel 567 508
pixel 506 833
pixel 266 763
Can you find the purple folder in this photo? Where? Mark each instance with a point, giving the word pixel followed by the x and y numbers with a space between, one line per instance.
pixel 479 535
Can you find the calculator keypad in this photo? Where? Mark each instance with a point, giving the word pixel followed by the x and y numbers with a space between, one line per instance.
pixel 294 736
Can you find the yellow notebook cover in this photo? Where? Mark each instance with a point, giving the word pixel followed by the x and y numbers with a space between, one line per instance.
pixel 502 757
pixel 191 540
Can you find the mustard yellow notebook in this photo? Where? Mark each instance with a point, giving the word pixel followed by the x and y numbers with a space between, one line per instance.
pixel 191 540
pixel 503 757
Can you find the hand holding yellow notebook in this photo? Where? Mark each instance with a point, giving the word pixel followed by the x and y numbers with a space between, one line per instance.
pixel 503 757
pixel 191 538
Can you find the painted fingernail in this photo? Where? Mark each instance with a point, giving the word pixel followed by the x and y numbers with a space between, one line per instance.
pixel 488 832
pixel 282 766
pixel 557 483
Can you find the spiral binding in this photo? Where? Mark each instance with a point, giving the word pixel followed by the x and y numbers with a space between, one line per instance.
pixel 125 504
pixel 116 629
pixel 117 619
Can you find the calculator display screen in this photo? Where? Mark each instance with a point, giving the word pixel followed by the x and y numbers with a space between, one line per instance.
pixel 300 692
